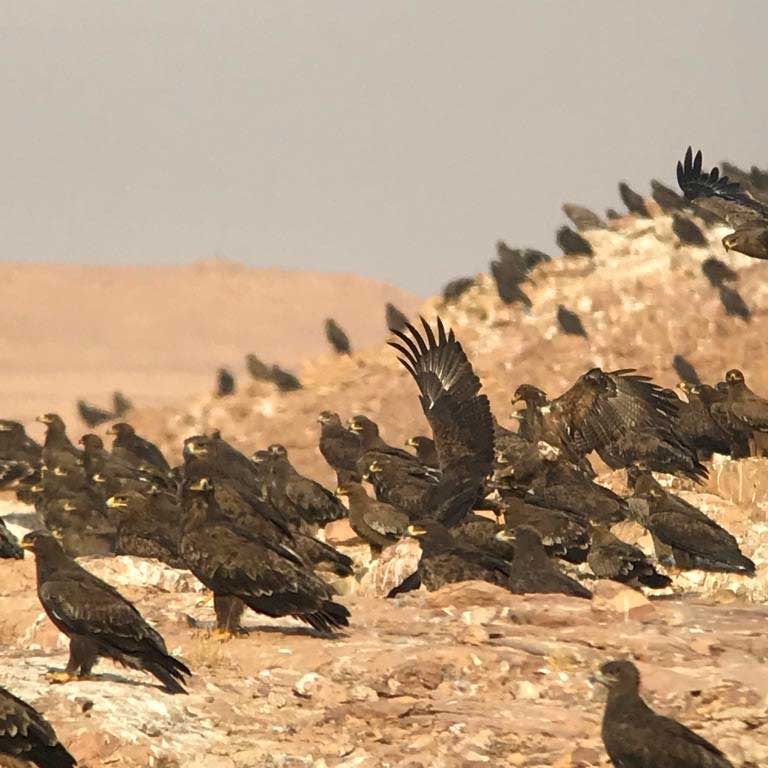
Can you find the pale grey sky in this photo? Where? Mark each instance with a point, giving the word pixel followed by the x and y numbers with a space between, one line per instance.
pixel 393 139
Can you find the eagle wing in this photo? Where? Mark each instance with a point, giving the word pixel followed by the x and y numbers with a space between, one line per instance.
pixel 459 415
pixel 717 194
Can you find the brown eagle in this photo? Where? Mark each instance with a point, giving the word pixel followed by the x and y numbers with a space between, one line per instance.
pixel 731 203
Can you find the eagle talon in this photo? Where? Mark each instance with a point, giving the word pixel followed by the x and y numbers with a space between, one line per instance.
pixel 223 635
pixel 60 678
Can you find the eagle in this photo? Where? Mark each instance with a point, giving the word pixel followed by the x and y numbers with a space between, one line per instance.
pixel 460 417
pixel 728 201
pixel 27 738
pixel 623 416
pixel 636 737
pixel 97 619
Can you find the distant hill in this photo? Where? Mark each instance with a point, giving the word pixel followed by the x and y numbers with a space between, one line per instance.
pixel 158 333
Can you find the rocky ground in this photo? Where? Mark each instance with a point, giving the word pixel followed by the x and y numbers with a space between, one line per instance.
pixel 469 675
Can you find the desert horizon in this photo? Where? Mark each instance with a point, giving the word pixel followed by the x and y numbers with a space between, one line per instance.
pixel 384 384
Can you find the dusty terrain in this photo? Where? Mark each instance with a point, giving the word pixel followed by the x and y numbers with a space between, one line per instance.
pixel 156 333
pixel 467 676
pixel 470 675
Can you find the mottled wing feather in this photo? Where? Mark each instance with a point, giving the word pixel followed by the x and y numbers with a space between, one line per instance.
pixel 86 607
pixel 17 718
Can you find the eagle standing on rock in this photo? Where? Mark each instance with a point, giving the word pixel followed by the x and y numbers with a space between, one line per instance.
pixel 97 619
pixel 729 202
pixel 242 569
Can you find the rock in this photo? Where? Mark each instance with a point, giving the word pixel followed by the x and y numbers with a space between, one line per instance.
pixel 321 689
pixel 128 571
pixel 391 569
pixel 617 598
pixel 470 595
pixel 340 532
pixel 527 691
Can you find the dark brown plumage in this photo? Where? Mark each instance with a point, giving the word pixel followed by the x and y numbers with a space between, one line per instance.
pixel 685 370
pixel 396 475
pixel 130 447
pixel 728 201
pixel 688 232
pixel 557 484
pixel 460 417
pixel 395 319
pixel 284 380
pixel 511 269
pixel 635 203
pixel 120 404
pixel 669 201
pixel 56 444
pixel 532 571
pixel 20 456
pixel 695 425
pixel 240 567
pixel 570 323
pixel 683 535
pixel 572 243
pixel 307 499
pixel 563 534
pixel 97 619
pixel 636 737
pixel 337 338
pixel 378 524
pixel 258 370
pixel 456 288
pixel 225 383
pixel 92 415
pixel 242 499
pixel 583 218
pixel 746 408
pixel 148 525
pixel 623 416
pixel 9 544
pixel 718 272
pixel 733 303
pixel 27 738
pixel 611 558
pixel 339 447
pixel 425 449
pixel 444 560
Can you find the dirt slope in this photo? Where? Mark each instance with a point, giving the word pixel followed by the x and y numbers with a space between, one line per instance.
pixel 156 333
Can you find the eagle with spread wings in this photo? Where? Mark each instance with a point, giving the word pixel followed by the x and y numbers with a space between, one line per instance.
pixel 625 417
pixel 729 201
pixel 459 415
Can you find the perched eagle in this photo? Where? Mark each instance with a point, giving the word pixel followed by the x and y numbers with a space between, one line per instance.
pixel 97 619
pixel 732 204
pixel 636 737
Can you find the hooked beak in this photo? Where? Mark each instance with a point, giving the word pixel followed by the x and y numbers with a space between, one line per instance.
pixel 504 535
pixel 415 530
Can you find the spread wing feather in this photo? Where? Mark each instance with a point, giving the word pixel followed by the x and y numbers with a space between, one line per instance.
pixel 459 415
pixel 718 194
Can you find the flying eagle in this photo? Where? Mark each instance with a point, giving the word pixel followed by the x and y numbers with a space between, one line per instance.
pixel 732 204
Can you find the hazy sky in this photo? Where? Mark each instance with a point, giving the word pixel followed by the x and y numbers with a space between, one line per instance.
pixel 393 139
